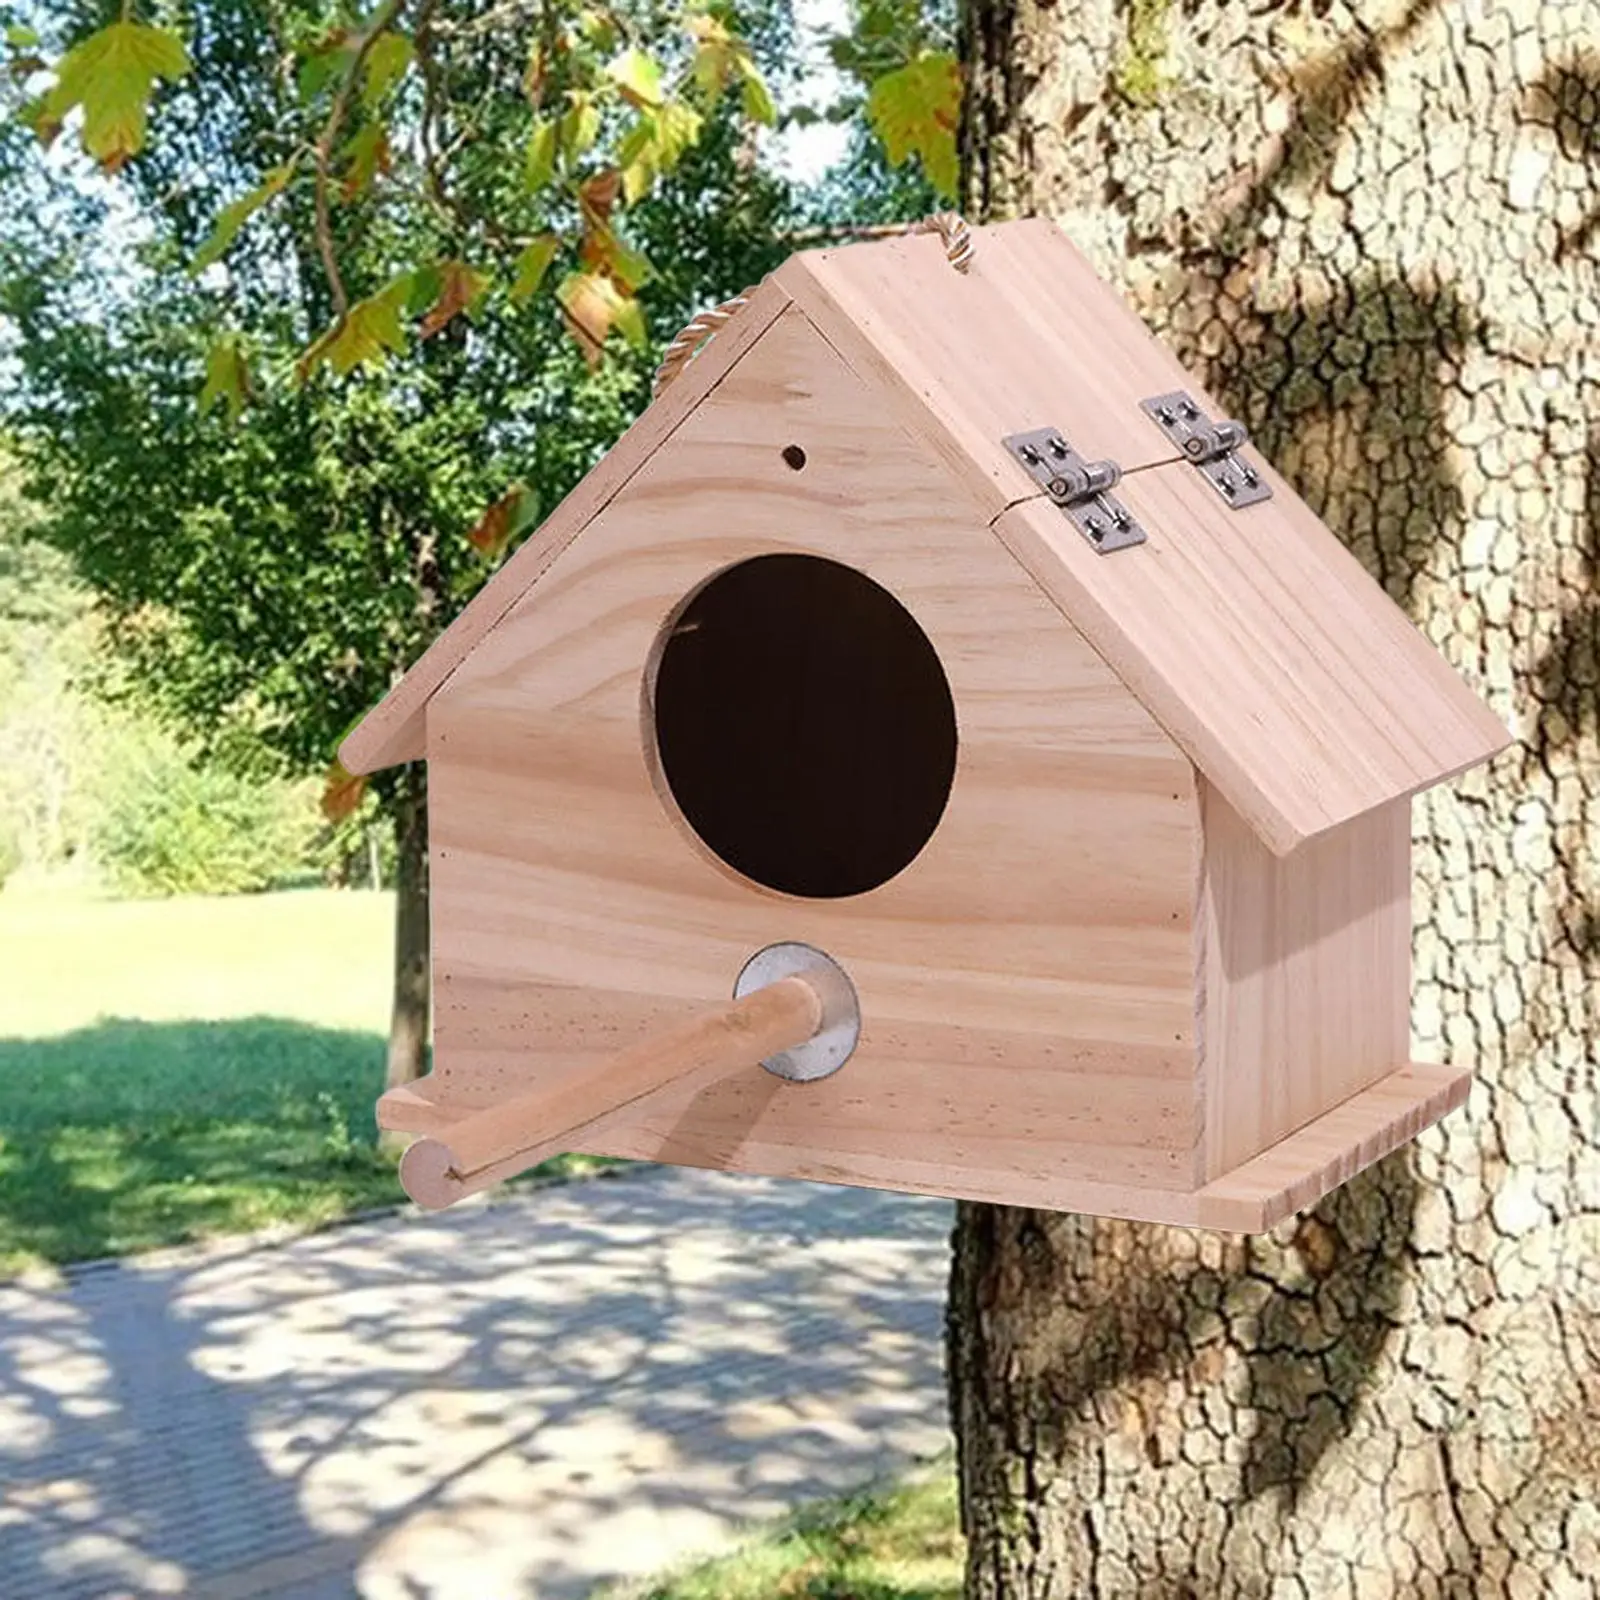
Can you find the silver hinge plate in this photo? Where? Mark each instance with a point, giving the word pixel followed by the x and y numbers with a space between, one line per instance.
pixel 1213 447
pixel 1081 488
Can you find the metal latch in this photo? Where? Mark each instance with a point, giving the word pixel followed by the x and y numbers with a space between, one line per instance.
pixel 1081 488
pixel 1211 446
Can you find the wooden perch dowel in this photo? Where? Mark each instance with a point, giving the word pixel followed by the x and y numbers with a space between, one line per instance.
pixel 500 1141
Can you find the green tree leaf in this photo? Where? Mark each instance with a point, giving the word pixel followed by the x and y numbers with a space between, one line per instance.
pixel 629 321
pixel 539 164
pixel 324 63
pixel 234 216
pixel 365 336
pixel 366 155
pixel 755 98
pixel 227 377
pixel 112 74
pixel 915 110
pixel 580 126
pixel 655 144
pixel 638 77
pixel 387 59
pixel 531 265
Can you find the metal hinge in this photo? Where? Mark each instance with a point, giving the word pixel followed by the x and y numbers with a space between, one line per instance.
pixel 1211 446
pixel 1081 488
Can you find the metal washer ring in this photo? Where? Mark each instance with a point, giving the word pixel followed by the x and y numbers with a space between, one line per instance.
pixel 833 1043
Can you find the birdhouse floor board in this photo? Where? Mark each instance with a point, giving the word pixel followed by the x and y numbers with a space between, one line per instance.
pixel 1261 1192
pixel 1332 1148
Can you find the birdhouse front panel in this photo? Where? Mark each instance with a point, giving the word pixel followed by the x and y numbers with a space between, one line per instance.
pixel 786 687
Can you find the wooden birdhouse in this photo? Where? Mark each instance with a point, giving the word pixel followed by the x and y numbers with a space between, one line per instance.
pixel 933 750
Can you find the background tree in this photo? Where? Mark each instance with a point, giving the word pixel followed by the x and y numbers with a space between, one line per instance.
pixel 269 577
pixel 1370 228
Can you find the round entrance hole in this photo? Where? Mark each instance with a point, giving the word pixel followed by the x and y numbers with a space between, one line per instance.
pixel 804 725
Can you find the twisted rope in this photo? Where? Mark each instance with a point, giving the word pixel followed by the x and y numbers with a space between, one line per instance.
pixel 959 250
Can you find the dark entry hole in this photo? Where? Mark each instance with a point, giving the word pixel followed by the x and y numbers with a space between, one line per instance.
pixel 805 726
pixel 794 456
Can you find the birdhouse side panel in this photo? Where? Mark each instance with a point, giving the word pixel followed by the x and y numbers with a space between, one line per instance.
pixel 1026 981
pixel 1304 964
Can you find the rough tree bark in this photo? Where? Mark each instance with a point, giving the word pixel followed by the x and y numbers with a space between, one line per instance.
pixel 408 1020
pixel 1372 228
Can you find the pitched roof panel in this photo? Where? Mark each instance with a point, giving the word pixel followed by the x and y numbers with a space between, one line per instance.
pixel 1269 654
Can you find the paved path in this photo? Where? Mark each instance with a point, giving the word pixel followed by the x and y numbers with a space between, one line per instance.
pixel 520 1398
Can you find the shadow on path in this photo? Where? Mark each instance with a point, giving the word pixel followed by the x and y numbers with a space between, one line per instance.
pixel 520 1398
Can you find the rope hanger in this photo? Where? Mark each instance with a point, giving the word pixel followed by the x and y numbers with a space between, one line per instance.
pixel 958 248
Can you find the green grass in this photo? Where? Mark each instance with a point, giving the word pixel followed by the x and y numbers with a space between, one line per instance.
pixel 176 1069
pixel 901 1544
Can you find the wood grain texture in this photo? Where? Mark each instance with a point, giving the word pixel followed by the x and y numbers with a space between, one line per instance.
pixel 393 731
pixel 522 1130
pixel 1292 680
pixel 1332 1149
pixel 1026 983
pixel 1289 1176
pixel 1304 966
pixel 1030 337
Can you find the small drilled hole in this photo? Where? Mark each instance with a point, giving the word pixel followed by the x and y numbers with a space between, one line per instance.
pixel 794 456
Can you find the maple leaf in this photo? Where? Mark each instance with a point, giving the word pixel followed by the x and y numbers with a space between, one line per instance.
pixel 580 126
pixel 227 377
pixel 721 58
pixel 504 520
pixel 655 144
pixel 326 62
pixel 603 251
pixel 715 55
pixel 112 74
pixel 388 56
pixel 532 262
pixel 539 164
pixel 591 302
pixel 597 195
pixel 460 289
pixel 915 111
pixel 367 155
pixel 341 791
pixel 637 76
pixel 364 336
pixel 238 212
pixel 755 98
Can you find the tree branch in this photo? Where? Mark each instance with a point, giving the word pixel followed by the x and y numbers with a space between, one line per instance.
pixel 385 17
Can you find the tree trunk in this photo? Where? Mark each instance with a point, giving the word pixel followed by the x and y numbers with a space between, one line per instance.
pixel 1370 228
pixel 408 1022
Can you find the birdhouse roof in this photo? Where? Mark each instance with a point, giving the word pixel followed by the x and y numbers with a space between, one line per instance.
pixel 1262 646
